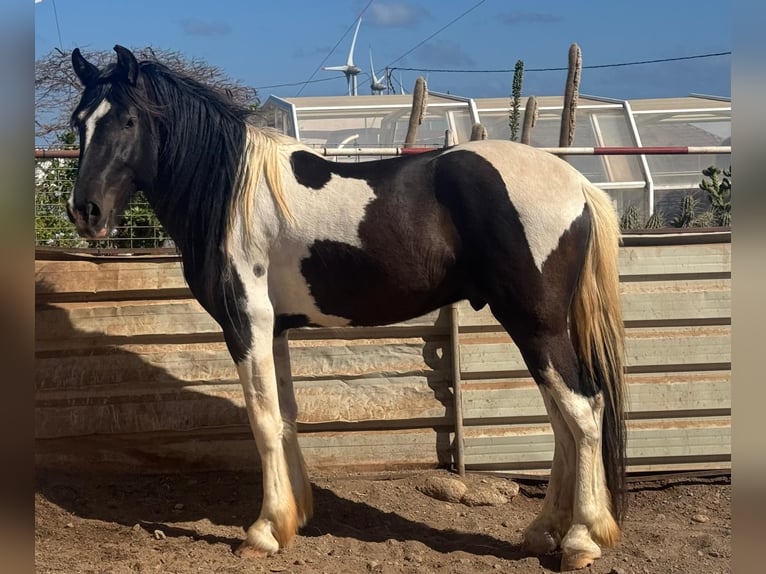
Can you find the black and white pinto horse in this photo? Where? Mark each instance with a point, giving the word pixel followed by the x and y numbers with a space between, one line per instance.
pixel 274 237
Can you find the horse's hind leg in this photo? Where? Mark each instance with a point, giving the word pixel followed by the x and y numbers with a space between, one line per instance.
pixel 576 511
pixel 288 406
pixel 544 534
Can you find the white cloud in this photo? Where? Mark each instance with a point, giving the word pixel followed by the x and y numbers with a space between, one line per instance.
pixel 395 14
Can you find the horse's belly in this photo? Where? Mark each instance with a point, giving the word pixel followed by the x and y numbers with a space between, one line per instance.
pixel 336 284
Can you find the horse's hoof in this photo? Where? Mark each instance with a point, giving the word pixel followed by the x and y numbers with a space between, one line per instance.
pixel 576 561
pixel 539 542
pixel 248 552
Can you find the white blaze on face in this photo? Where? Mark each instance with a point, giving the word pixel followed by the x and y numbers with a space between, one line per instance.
pixel 91 119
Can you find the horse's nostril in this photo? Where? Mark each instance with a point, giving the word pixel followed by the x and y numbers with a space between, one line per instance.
pixel 92 210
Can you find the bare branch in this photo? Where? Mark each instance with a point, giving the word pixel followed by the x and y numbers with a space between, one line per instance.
pixel 57 88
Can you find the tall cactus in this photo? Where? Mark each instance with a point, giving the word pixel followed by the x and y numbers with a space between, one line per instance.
pixel 631 219
pixel 513 116
pixel 419 105
pixel 571 94
pixel 656 220
pixel 530 119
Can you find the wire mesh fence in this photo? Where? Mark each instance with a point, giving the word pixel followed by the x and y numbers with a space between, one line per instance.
pixel 55 173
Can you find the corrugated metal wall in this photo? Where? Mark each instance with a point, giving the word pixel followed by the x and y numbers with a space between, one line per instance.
pixel 131 370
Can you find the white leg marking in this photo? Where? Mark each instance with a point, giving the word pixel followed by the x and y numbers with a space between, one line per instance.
pixel 544 534
pixel 591 515
pixel 278 522
pixel 299 478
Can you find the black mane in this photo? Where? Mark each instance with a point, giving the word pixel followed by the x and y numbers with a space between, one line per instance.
pixel 201 137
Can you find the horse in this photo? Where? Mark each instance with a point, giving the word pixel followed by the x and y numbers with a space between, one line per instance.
pixel 275 237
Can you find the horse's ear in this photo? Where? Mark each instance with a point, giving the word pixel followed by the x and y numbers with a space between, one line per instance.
pixel 86 71
pixel 127 64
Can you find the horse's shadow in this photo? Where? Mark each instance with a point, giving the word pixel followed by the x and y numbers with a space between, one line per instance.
pixel 232 498
pixel 152 504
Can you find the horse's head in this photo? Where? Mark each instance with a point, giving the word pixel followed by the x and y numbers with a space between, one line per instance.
pixel 118 143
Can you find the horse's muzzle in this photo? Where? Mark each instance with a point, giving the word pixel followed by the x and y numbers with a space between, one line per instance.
pixel 89 222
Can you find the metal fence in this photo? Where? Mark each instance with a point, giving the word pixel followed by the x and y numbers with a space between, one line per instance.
pixel 56 170
pixel 55 173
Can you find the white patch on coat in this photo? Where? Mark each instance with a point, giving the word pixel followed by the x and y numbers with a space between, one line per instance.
pixel 332 213
pixel 546 191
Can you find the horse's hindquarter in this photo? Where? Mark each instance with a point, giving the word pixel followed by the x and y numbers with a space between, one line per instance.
pixel 497 189
pixel 370 244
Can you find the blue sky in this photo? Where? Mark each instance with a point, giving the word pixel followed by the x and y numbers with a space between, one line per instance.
pixel 264 43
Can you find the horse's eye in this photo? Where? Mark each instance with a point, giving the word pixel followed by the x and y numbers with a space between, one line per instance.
pixel 130 123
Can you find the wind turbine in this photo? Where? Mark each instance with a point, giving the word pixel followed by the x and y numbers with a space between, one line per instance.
pixel 349 69
pixel 376 85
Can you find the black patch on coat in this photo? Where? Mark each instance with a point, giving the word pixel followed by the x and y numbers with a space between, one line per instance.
pixel 407 264
pixel 225 299
pixel 310 169
pixel 259 270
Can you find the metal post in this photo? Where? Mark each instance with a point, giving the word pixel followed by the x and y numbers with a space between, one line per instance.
pixel 457 394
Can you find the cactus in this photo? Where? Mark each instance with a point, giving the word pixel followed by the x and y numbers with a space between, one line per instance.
pixel 719 192
pixel 478 132
pixel 631 219
pixel 705 219
pixel 688 213
pixel 419 105
pixel 656 220
pixel 513 116
pixel 530 119
pixel 571 94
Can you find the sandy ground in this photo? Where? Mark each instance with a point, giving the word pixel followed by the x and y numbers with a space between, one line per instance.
pixel 362 523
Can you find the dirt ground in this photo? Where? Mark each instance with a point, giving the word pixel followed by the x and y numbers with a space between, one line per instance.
pixel 191 523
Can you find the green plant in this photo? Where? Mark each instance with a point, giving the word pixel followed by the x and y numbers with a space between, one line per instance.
pixel 513 116
pixel 55 179
pixel 631 219
pixel 688 215
pixel 656 220
pixel 718 190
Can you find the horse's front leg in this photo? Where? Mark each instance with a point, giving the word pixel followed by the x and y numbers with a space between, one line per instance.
pixel 278 521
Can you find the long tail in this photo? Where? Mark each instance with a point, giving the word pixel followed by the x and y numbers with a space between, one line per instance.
pixel 598 335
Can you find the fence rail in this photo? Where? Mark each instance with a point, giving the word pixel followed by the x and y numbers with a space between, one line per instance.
pixel 131 370
pixel 141 229
pixel 42 153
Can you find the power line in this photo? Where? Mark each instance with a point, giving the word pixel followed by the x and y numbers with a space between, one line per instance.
pixel 509 70
pixel 560 69
pixel 319 67
pixel 302 82
pixel 447 25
